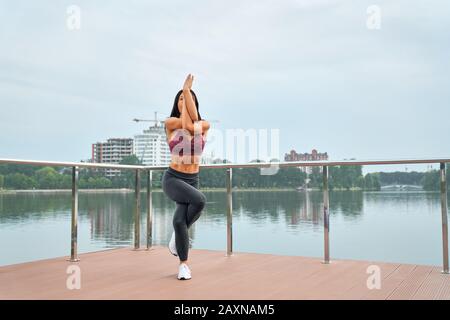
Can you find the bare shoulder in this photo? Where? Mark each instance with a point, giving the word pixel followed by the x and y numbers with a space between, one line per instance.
pixel 205 125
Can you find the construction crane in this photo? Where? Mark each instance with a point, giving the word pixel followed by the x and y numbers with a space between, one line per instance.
pixel 156 121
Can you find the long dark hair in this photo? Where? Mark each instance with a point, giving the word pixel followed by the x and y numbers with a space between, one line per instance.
pixel 175 112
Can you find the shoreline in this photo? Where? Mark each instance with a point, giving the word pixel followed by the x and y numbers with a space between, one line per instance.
pixel 154 189
pixel 143 190
pixel 125 190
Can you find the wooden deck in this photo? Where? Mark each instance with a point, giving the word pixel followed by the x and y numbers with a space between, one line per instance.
pixel 128 274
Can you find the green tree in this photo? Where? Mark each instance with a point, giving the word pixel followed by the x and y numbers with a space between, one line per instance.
pixel 82 183
pixel 65 181
pixel 316 178
pixel 372 182
pixel 430 180
pixel 156 179
pixel 28 170
pixel 346 177
pixel 127 177
pixel 289 177
pixel 214 178
pixel 360 182
pixel 20 181
pixel 92 183
pixel 398 177
pixel 47 178
pixel 334 178
pixel 104 183
pixel 2 181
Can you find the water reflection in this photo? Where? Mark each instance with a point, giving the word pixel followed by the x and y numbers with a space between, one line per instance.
pixel 111 215
pixel 29 206
pixel 348 204
pixel 107 220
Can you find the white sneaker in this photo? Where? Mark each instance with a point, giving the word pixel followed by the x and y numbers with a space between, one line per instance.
pixel 172 245
pixel 184 273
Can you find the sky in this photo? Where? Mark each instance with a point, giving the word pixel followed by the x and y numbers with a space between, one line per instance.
pixel 312 69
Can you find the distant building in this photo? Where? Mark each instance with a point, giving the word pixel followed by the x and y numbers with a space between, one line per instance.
pixel 313 156
pixel 151 146
pixel 207 158
pixel 112 151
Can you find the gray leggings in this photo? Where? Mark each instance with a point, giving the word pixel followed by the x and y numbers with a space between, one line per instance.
pixel 182 188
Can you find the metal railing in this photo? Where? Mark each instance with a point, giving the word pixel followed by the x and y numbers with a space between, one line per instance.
pixel 229 166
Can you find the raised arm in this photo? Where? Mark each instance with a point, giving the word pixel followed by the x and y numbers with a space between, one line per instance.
pixel 187 123
pixel 172 124
pixel 190 104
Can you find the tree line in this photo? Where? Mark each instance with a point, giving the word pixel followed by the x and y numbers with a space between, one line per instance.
pixel 345 178
pixel 28 177
pixel 340 177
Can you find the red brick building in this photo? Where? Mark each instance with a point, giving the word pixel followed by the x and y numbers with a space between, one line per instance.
pixel 313 156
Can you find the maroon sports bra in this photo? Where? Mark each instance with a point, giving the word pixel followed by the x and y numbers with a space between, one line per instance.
pixel 181 141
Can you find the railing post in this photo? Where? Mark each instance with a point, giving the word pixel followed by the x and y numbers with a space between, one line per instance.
pixel 149 209
pixel 326 216
pixel 444 218
pixel 74 220
pixel 229 212
pixel 137 210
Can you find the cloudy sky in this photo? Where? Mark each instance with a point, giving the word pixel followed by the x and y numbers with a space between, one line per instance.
pixel 310 68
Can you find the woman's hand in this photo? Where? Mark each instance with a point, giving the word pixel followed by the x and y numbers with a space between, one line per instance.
pixel 188 82
pixel 188 99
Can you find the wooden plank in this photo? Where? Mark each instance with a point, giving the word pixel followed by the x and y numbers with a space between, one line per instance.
pixel 411 284
pixel 309 282
pixel 128 274
pixel 360 289
pixel 391 282
pixel 430 287
pixel 443 292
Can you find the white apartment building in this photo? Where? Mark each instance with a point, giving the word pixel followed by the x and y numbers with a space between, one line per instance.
pixel 151 147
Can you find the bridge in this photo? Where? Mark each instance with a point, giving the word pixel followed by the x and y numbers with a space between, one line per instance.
pixel 401 187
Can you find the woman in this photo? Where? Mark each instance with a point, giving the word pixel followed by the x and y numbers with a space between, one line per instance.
pixel 186 136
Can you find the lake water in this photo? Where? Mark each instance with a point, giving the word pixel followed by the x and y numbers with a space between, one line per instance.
pixel 376 226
